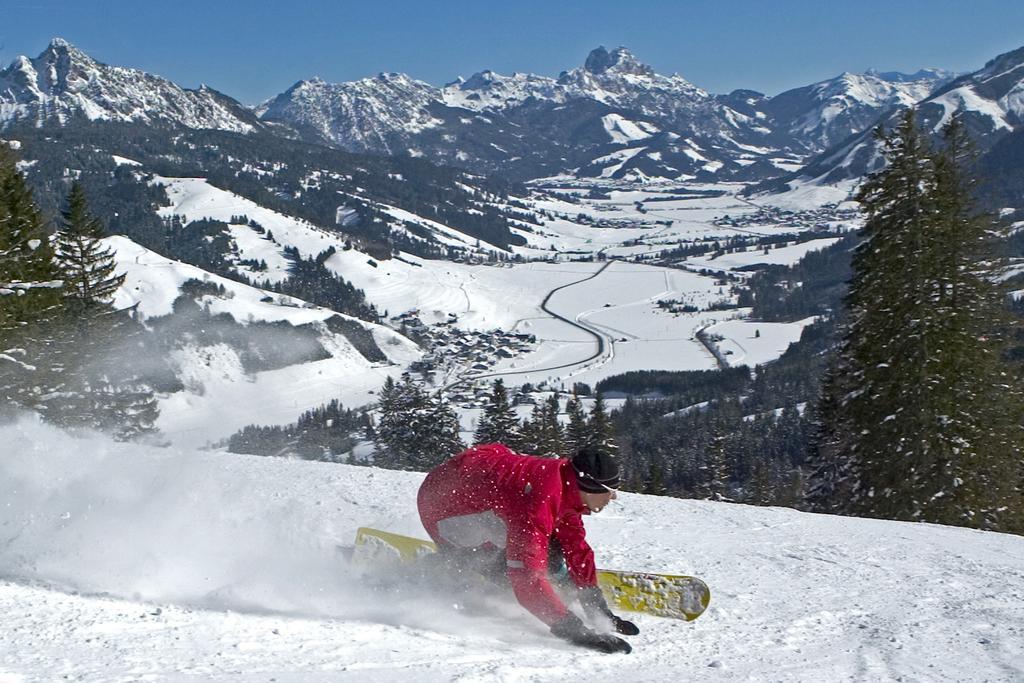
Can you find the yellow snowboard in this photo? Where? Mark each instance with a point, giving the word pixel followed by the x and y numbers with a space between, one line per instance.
pixel 664 595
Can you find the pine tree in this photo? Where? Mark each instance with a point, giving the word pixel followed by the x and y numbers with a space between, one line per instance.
pixel 28 277
pixel 541 434
pixel 553 442
pixel 883 298
pixel 978 401
pixel 98 388
pixel 389 434
pixel 601 432
pixel 761 485
pixel 498 423
pixel 577 433
pixel 920 416
pixel 530 433
pixel 415 431
pixel 85 262
pixel 30 292
pixel 713 481
pixel 655 483
pixel 440 439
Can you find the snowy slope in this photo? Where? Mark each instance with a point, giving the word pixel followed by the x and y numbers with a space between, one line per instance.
pixel 195 198
pixel 219 397
pixel 785 255
pixel 994 94
pixel 124 562
pixel 752 343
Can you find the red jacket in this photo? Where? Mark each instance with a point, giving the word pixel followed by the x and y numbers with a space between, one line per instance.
pixel 535 499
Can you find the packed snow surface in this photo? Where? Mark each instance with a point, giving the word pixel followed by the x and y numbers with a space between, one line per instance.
pixel 123 562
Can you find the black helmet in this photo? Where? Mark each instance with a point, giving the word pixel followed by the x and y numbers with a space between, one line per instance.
pixel 596 470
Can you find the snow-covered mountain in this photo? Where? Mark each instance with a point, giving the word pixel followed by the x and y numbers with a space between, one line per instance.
pixel 619 79
pixel 989 101
pixel 63 83
pixel 616 78
pixel 826 113
pixel 487 91
pixel 377 114
pixel 612 117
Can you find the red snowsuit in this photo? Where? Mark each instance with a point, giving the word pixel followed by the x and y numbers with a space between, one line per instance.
pixel 489 496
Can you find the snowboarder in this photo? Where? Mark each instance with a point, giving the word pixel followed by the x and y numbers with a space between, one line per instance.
pixel 498 512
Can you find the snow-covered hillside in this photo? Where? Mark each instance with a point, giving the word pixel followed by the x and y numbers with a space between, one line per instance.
pixel 219 397
pixel 121 563
pixel 825 113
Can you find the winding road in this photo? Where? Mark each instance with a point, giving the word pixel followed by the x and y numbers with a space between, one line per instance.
pixel 603 341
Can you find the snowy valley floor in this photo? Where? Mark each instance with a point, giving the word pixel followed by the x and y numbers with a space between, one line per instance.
pixel 125 563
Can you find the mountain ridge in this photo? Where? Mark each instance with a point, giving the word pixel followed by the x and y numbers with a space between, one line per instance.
pixel 524 125
pixel 63 82
pixel 990 103
pixel 735 134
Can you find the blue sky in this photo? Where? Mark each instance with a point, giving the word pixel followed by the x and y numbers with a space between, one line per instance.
pixel 255 49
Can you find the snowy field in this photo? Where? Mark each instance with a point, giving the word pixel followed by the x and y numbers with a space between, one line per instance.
pixel 750 343
pixel 128 563
pixel 782 256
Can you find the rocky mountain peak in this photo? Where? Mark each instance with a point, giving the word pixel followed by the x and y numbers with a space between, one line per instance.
pixel 62 54
pixel 60 68
pixel 481 79
pixel 59 45
pixel 1005 62
pixel 621 60
pixel 64 83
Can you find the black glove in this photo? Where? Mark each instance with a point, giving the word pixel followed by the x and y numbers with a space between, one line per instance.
pixel 571 628
pixel 594 603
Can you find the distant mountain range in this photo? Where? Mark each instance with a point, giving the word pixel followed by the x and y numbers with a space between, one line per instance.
pixel 613 117
pixel 989 101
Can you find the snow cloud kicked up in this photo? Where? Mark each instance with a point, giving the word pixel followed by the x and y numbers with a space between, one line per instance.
pixel 207 530
pixel 154 524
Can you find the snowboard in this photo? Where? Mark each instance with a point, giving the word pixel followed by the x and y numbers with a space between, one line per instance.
pixel 663 595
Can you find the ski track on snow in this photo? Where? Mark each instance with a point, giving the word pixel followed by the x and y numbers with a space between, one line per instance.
pixel 124 562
